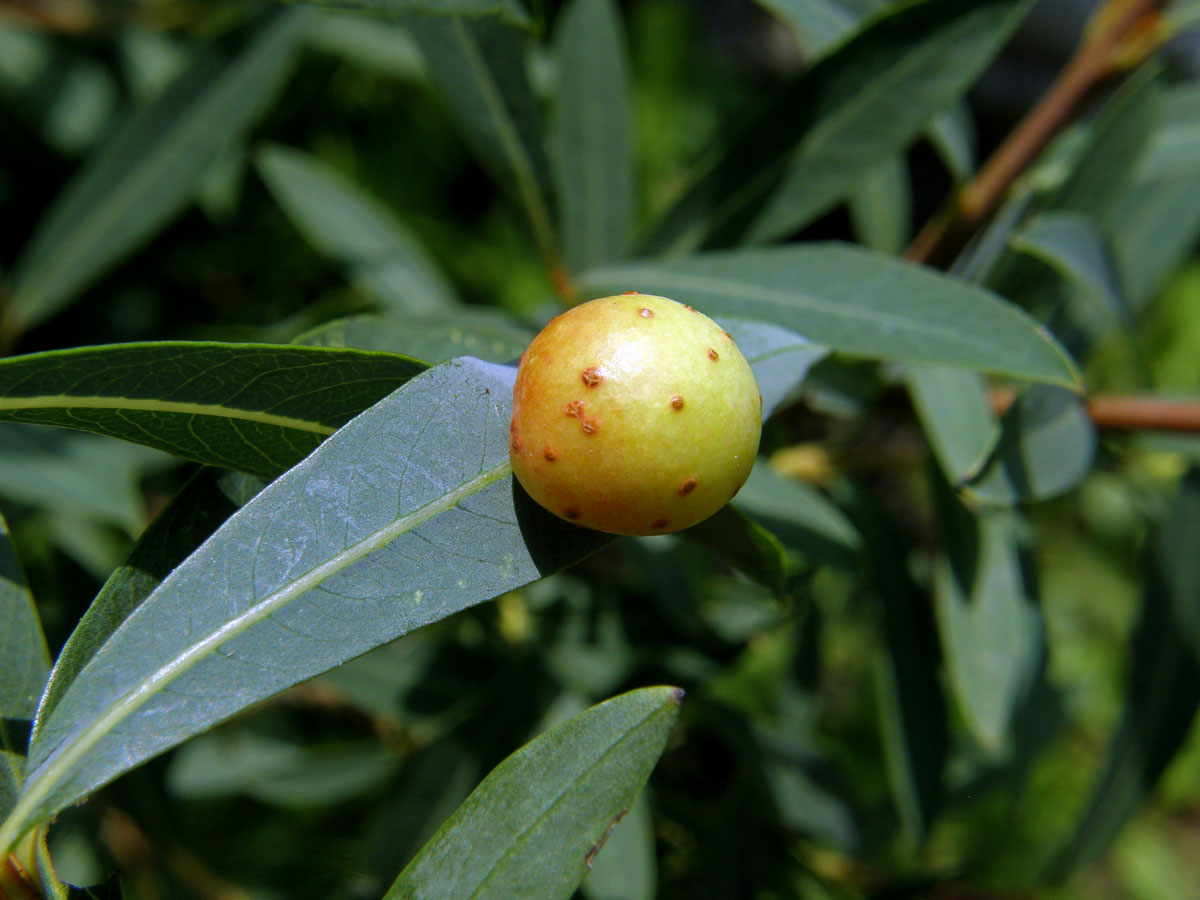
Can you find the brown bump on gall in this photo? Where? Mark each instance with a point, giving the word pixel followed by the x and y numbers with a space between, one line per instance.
pixel 676 402
pixel 591 376
pixel 550 454
pixel 571 514
pixel 712 354
pixel 517 443
pixel 728 336
pixel 689 485
pixel 645 313
pixel 589 424
pixel 575 409
pixel 689 308
pixel 630 293
pixel 660 524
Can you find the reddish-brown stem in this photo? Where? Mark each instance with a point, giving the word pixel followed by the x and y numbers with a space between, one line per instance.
pixel 1120 25
pixel 1128 412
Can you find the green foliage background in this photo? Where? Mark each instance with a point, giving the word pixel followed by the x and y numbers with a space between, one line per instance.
pixel 278 257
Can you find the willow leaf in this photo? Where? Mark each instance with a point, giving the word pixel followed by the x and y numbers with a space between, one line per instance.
pixel 407 515
pixel 257 408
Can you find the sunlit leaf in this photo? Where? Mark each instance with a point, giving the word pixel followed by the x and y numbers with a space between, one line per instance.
pixel 404 517
pixel 532 827
pixel 854 302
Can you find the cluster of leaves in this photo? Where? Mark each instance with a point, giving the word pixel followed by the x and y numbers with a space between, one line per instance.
pixel 298 650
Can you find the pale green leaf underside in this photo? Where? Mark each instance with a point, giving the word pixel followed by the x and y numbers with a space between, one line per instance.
pixel 405 516
pixel 530 828
pixel 858 303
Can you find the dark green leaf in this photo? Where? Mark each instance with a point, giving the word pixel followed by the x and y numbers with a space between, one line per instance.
pixel 1046 446
pixel 593 163
pixel 855 302
pixel 1070 244
pixel 1113 145
pixel 628 867
pixel 282 773
pixel 990 626
pixel 1042 447
pixel 819 24
pixel 952 134
pixel 911 707
pixel 204 503
pixel 407 515
pixel 479 67
pixel 879 206
pixel 802 517
pixel 746 544
pixel 532 827
pixel 1180 564
pixel 258 408
pixel 856 108
pixel 1155 225
pixel 512 11
pixel 370 43
pixel 342 221
pixel 144 175
pixel 1162 698
pixel 81 475
pixel 468 331
pixel 24 659
pixel 1174 147
pixel 780 358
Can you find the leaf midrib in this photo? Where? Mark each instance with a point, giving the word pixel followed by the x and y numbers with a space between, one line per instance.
pixel 67 401
pixel 42 781
pixel 811 302
pixel 558 800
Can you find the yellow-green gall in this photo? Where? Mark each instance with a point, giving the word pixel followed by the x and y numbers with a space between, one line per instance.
pixel 634 414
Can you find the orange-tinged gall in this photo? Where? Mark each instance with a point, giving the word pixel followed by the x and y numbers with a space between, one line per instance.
pixel 606 438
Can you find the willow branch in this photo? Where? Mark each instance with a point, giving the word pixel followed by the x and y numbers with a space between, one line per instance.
pixel 1121 33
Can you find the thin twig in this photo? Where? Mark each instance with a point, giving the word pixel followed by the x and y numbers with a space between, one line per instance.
pixel 1121 33
pixel 1129 412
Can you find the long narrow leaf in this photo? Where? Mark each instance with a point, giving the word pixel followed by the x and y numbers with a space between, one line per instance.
pixel 24 659
pixel 141 178
pixel 257 408
pixel 479 66
pixel 532 827
pixel 344 222
pixel 855 302
pixel 202 505
pixel 856 108
pixel 511 11
pixel 406 516
pixel 593 164
pixel 990 628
